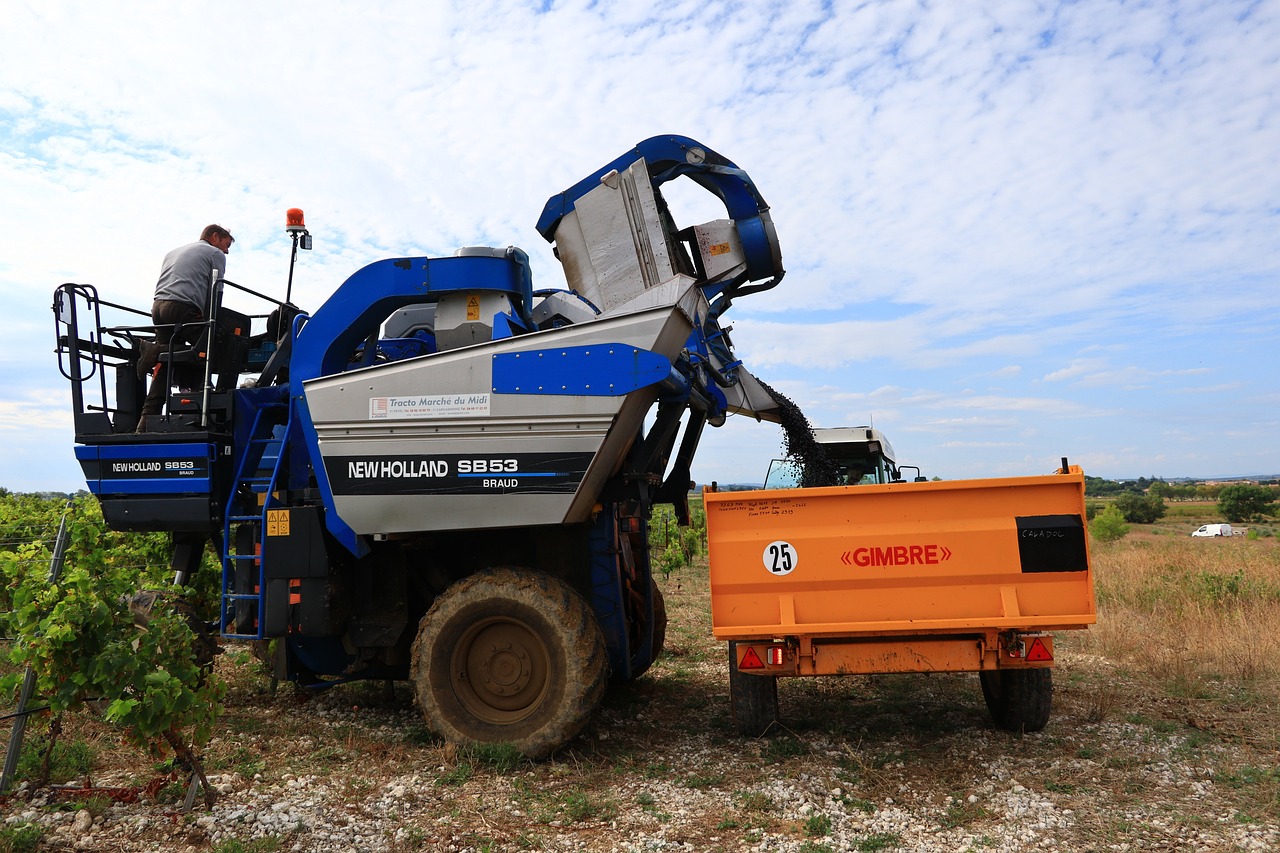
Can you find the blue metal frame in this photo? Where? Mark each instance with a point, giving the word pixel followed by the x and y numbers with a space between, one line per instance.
pixel 600 370
pixel 261 449
pixel 625 660
pixel 358 307
pixel 142 485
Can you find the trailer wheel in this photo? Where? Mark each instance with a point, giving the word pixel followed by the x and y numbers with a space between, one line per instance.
pixel 509 656
pixel 753 699
pixel 1019 700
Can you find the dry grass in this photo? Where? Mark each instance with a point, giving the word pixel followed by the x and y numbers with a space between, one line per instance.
pixel 1191 619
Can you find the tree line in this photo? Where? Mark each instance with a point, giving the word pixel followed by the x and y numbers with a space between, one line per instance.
pixel 1097 487
pixel 1238 502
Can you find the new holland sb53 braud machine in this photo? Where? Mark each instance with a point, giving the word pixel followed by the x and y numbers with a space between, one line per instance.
pixel 442 474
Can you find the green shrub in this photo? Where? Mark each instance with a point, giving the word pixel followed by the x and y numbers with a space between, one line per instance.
pixel 1219 589
pixel 1109 525
pixel 1140 509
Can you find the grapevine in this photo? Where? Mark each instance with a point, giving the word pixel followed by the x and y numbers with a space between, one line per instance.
pixel 90 638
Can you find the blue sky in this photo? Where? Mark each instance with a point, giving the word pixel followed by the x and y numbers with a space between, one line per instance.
pixel 1013 231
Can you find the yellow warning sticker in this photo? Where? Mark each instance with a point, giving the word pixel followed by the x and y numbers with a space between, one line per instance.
pixel 473 307
pixel 718 249
pixel 277 522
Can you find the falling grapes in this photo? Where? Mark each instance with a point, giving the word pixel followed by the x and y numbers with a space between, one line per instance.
pixel 798 444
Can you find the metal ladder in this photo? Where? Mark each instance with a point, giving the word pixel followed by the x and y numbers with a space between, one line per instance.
pixel 252 497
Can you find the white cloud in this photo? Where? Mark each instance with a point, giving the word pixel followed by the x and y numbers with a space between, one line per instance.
pixel 1097 372
pixel 964 195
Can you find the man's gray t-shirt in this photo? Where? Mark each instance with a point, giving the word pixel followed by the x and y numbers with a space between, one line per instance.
pixel 188 271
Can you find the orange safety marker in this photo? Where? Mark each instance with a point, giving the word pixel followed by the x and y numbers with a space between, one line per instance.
pixel 1038 650
pixel 751 660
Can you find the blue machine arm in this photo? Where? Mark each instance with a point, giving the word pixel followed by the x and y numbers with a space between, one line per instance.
pixel 669 157
pixel 358 307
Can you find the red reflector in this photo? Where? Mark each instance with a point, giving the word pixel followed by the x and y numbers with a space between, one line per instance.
pixel 1038 650
pixel 775 656
pixel 750 660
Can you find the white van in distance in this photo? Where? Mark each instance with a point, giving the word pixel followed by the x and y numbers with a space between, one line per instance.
pixel 1214 530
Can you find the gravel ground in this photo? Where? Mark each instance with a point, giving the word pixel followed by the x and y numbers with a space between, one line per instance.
pixel 905 763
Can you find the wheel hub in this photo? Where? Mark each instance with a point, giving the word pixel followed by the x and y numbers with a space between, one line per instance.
pixel 507 669
pixel 500 670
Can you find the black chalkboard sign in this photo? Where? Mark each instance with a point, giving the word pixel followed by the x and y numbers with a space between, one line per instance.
pixel 1052 543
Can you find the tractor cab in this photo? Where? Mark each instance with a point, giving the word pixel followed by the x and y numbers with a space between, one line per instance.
pixel 861 455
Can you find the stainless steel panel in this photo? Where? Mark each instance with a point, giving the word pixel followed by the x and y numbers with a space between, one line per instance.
pixel 613 245
pixel 457 417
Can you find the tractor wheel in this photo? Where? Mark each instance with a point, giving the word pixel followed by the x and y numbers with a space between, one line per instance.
pixel 753 699
pixel 659 619
pixel 1019 699
pixel 509 656
pixel 659 628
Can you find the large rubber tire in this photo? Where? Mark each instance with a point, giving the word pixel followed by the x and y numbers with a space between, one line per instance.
pixel 753 699
pixel 1020 700
pixel 659 619
pixel 659 628
pixel 509 656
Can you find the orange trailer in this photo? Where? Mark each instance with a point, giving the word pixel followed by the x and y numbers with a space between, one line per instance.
pixel 960 576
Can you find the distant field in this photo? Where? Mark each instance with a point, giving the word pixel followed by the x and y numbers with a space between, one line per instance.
pixel 1188 617
pixel 1182 517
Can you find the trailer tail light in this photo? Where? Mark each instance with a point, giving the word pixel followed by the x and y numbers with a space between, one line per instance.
pixel 756 657
pixel 1021 649
pixel 766 659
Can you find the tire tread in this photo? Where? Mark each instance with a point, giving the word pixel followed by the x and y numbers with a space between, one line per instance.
pixel 584 666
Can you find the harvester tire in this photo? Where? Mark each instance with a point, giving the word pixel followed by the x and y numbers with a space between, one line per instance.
pixel 659 628
pixel 509 656
pixel 659 619
pixel 1020 700
pixel 753 699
